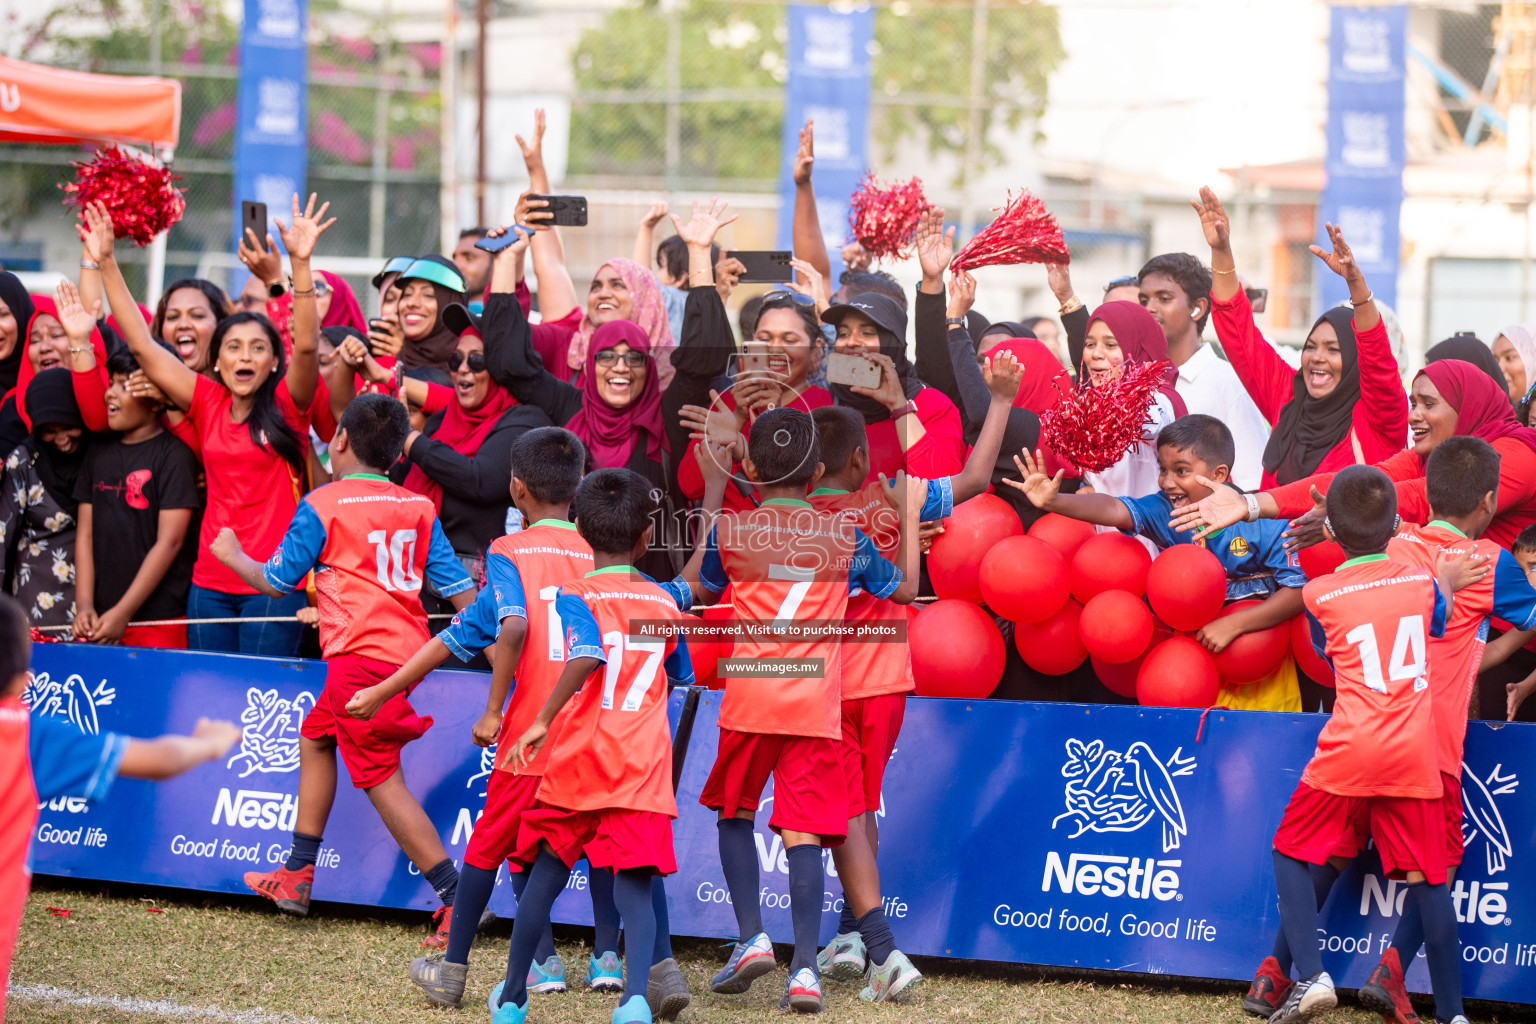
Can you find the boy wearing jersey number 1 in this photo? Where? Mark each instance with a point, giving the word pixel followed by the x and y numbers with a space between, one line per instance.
pixel 1372 619
pixel 369 544
pixel 877 674
pixel 607 788
pixel 787 562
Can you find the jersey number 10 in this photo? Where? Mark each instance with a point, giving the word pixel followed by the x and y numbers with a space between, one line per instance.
pixel 396 556
pixel 1408 644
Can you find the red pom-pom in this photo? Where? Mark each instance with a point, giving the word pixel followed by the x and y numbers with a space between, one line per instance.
pixel 1094 425
pixel 883 218
pixel 1025 232
pixel 142 197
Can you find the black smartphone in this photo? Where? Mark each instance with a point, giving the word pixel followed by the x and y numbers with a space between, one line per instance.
pixel 1258 298
pixel 569 211
pixel 764 266
pixel 253 216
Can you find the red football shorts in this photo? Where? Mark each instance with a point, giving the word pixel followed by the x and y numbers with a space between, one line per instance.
pixel 1450 807
pixel 616 839
pixel 809 794
pixel 1409 833
pixel 370 749
pixel 507 798
pixel 169 637
pixel 870 728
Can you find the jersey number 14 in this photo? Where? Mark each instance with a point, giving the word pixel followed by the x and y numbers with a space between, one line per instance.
pixel 1407 653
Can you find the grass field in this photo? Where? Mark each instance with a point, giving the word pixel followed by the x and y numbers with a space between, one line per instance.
pixel 231 959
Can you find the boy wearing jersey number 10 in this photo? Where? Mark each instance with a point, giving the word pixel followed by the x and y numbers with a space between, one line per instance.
pixel 1372 618
pixel 607 789
pixel 787 562
pixel 369 543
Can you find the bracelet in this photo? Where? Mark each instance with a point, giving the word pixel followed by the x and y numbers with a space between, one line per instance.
pixel 89 265
pixel 1215 271
pixel 1369 295
pixel 299 292
pixel 957 321
pixel 1072 305
pixel 76 351
pixel 1253 508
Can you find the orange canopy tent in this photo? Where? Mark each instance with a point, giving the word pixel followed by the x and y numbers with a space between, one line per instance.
pixel 48 105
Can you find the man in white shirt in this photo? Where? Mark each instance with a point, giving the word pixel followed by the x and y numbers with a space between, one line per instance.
pixel 1176 289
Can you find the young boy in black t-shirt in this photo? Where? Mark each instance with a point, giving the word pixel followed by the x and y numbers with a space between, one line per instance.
pixel 137 497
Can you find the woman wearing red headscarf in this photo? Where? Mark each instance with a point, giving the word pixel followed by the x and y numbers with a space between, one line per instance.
pixel 47 345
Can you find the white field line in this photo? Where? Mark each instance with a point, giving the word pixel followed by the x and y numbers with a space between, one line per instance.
pixel 150 1007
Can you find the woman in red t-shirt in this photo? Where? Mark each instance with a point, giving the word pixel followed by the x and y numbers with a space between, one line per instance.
pixel 252 415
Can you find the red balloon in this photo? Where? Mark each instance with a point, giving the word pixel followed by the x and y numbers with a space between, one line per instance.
pixel 1109 561
pixel 1024 579
pixel 1311 664
pixel 954 561
pixel 1054 645
pixel 1252 656
pixel 1187 586
pixel 1063 534
pixel 1178 674
pixel 1116 627
pixel 1321 559
pixel 958 652
pixel 705 653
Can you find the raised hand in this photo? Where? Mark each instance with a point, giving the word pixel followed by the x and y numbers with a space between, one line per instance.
pixel 533 153
pixel 727 272
pixel 962 293
pixel 533 213
pixel 1310 528
pixel 890 393
pixel 264 262
pixel 78 322
pixel 301 234
pixel 96 232
pixel 1039 488
pixel 1003 374
pixel 805 156
pixel 1059 278
pixel 855 258
pixel 1341 260
pixel 1213 219
pixel 715 459
pixel 935 244
pixel 657 211
pixel 707 220
pixel 1220 509
pixel 813 284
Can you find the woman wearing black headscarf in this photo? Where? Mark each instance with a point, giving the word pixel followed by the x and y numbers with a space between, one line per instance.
pixel 910 426
pixel 15 314
pixel 37 504
pixel 1469 348
pixel 427 287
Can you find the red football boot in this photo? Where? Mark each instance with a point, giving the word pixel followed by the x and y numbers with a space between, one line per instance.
pixel 288 889
pixel 1268 990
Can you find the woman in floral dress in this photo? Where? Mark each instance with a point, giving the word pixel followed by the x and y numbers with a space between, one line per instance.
pixel 37 506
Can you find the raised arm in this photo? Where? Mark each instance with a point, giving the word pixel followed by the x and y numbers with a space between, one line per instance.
pixel 162 367
pixel 299 238
pixel 1044 492
pixel 1003 375
pixel 935 248
pixel 645 235
pixel 809 243
pixel 557 294
pixel 88 377
pixel 509 352
pixel 1070 308
pixel 1381 388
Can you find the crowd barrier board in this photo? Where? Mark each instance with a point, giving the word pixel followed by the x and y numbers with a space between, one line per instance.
pixel 1066 834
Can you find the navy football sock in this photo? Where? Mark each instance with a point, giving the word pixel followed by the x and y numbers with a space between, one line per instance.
pixel 1409 935
pixel 807 888
pixel 605 915
pixel 1298 912
pixel 878 939
pixel 443 877
pixel 546 880
pixel 632 898
pixel 546 948
pixel 738 862
pixel 1442 946
pixel 846 922
pixel 663 945
pixel 306 850
pixel 475 887
pixel 1323 877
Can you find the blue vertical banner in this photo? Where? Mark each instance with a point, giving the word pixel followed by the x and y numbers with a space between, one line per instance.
pixel 1364 195
pixel 828 83
pixel 272 137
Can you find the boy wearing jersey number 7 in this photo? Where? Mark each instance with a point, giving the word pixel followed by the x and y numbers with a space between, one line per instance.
pixel 607 789
pixel 1372 618
pixel 877 674
pixel 788 562
pixel 369 543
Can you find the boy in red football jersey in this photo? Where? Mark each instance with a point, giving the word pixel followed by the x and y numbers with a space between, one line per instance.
pixel 369 543
pixel 786 561
pixel 877 676
pixel 1371 618
pixel 607 787
pixel 515 613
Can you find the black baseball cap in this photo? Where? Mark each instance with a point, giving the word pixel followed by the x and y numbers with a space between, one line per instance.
pixel 458 319
pixel 880 309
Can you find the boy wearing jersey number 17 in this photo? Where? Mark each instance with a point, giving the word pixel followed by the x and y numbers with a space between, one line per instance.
pixel 370 543
pixel 789 562
pixel 1372 619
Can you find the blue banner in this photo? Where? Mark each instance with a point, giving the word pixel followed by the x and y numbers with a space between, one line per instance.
pixel 1364 195
pixel 272 132
pixel 828 83
pixel 1066 834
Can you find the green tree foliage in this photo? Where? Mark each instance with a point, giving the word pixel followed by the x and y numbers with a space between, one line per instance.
pixel 922 50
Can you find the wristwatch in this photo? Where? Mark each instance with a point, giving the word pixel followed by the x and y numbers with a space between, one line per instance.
pixel 956 321
pixel 910 407
pixel 1253 508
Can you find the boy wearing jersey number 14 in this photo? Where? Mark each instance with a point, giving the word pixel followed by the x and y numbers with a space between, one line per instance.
pixel 369 543
pixel 1372 619
pixel 793 566
pixel 607 789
